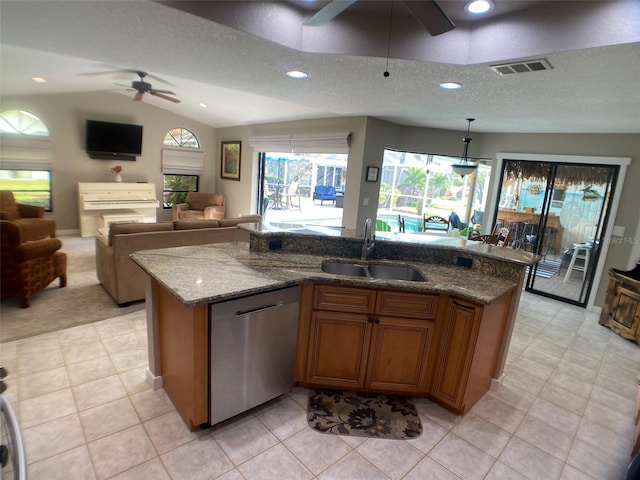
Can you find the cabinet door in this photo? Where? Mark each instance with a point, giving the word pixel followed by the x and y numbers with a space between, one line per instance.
pixel 460 329
pixel 399 355
pixel 338 348
pixel 407 305
pixel 626 314
pixel 344 299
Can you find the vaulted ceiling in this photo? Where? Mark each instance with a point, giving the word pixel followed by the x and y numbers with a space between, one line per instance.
pixel 233 56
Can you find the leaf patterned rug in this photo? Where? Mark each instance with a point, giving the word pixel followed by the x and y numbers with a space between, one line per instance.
pixel 363 414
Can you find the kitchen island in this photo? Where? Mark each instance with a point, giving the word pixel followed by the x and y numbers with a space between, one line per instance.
pixel 458 323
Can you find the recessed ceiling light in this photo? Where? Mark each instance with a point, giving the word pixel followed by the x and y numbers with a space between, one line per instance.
pixel 450 85
pixel 38 79
pixel 476 7
pixel 202 104
pixel 297 74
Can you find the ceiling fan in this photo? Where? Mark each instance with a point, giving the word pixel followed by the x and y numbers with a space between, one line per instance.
pixel 141 87
pixel 427 13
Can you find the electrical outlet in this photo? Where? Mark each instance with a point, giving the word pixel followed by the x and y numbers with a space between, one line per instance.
pixel 465 262
pixel 365 202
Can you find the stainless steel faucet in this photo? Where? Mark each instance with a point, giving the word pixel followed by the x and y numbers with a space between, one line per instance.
pixel 369 240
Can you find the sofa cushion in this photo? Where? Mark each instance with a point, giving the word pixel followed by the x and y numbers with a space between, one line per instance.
pixel 117 228
pixel 232 222
pixel 191 215
pixel 191 224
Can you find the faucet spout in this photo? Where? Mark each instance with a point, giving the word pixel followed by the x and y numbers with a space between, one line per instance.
pixel 369 241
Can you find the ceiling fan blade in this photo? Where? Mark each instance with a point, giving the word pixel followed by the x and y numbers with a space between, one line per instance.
pixel 138 96
pixel 171 99
pixel 328 13
pixel 153 91
pixel 430 16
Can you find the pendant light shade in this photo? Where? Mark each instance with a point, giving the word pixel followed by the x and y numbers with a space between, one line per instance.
pixel 464 167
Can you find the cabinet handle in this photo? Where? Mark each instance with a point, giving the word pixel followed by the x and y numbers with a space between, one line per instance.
pixel 467 307
pixel 376 321
pixel 372 320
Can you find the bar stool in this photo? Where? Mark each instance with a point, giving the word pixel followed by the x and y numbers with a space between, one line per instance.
pixel 580 251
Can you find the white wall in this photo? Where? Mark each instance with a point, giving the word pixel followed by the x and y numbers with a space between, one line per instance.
pixel 65 116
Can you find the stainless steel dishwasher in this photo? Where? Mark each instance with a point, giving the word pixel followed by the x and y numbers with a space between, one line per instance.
pixel 253 343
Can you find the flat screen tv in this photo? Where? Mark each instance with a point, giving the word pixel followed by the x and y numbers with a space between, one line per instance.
pixel 113 141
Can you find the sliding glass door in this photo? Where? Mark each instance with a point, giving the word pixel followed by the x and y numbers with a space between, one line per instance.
pixel 559 211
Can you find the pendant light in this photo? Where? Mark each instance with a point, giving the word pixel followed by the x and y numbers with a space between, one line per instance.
pixel 464 167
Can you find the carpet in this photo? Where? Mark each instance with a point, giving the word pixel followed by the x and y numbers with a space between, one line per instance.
pixel 363 415
pixel 82 301
pixel 547 269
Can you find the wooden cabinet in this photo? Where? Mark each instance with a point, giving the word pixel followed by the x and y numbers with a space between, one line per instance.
pixel 621 309
pixel 367 339
pixel 469 340
pixel 183 350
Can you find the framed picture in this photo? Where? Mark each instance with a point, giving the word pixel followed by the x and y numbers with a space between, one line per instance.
pixel 230 160
pixel 372 174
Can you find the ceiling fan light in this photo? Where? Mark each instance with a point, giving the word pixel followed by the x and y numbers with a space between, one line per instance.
pixel 478 7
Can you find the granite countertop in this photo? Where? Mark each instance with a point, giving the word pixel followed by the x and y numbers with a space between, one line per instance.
pixel 400 240
pixel 224 271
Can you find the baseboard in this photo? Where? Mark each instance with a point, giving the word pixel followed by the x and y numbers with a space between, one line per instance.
pixel 154 382
pixel 74 231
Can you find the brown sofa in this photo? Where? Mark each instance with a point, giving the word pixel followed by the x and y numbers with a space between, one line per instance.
pixel 123 279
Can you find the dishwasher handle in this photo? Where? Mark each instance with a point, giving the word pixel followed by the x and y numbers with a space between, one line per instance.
pixel 262 308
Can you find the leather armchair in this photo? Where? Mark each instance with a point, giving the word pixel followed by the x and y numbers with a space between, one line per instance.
pixel 200 206
pixel 29 218
pixel 28 267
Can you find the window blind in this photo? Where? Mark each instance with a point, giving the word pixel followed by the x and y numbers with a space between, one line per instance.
pixel 303 143
pixel 25 152
pixel 182 162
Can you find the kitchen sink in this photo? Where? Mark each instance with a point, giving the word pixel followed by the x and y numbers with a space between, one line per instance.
pixel 373 270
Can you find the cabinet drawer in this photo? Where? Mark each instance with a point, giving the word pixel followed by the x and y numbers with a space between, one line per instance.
pixel 407 305
pixel 343 299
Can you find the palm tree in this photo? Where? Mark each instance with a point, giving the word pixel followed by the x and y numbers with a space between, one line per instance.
pixel 415 179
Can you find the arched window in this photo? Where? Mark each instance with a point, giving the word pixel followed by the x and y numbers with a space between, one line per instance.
pixel 25 158
pixel 181 137
pixel 182 165
pixel 19 122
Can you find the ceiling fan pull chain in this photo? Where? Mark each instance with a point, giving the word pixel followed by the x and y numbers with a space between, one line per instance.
pixel 386 70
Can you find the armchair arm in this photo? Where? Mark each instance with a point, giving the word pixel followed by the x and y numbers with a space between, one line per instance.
pixel 38 248
pixel 177 208
pixel 30 211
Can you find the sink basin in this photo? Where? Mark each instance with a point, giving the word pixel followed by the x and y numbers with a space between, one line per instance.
pixel 374 270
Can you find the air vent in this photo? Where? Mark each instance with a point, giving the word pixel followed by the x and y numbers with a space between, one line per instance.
pixel 522 67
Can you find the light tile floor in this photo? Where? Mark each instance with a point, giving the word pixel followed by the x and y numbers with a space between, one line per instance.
pixel 566 411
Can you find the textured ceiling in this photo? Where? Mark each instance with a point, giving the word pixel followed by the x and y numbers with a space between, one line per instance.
pixel 232 56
